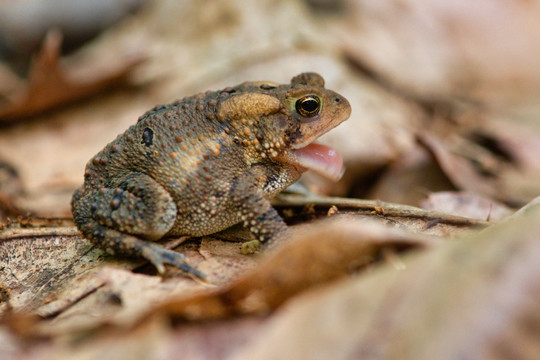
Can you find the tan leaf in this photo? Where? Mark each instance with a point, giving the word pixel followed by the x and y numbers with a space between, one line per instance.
pixel 467 205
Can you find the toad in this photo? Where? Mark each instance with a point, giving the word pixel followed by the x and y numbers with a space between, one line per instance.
pixel 207 162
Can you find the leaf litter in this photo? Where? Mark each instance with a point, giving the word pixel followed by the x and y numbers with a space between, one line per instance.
pixel 51 84
pixel 361 278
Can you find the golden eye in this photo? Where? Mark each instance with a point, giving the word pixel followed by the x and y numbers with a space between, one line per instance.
pixel 308 106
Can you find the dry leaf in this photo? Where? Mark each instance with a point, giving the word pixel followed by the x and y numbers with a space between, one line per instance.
pixel 318 254
pixel 439 302
pixel 442 50
pixel 475 169
pixel 467 205
pixel 24 24
pixel 472 299
pixel 38 263
pixel 11 187
pixel 50 84
pixel 68 284
pixel 410 178
pixel 54 273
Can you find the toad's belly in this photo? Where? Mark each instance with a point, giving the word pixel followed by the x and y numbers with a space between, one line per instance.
pixel 205 220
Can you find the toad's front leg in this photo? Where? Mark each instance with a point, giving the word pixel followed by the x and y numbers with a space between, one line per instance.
pixel 118 218
pixel 256 212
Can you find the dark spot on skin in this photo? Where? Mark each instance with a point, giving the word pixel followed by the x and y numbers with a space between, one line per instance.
pixel 94 207
pixel 117 199
pixel 148 136
pixel 294 135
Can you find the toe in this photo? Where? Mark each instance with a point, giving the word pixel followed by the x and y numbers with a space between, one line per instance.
pixel 159 256
pixel 250 247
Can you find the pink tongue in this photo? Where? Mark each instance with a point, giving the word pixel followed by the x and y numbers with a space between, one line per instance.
pixel 322 159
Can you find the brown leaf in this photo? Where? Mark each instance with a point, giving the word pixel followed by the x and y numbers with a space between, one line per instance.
pixel 319 253
pixel 474 298
pixel 443 51
pixel 70 284
pixel 467 205
pixel 473 168
pixel 51 84
pixel 148 341
pixel 409 178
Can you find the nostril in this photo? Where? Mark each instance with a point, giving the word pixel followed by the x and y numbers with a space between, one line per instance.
pixel 337 100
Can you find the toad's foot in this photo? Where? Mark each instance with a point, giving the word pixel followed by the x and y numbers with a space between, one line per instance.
pixel 250 247
pixel 159 256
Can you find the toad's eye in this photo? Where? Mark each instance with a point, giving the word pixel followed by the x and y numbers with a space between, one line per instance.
pixel 308 106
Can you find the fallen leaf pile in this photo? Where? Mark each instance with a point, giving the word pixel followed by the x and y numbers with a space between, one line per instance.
pixel 427 248
pixel 50 85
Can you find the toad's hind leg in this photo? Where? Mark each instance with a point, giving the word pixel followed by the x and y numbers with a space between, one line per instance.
pixel 117 219
pixel 129 245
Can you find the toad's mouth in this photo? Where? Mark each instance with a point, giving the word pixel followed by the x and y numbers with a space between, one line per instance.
pixel 321 159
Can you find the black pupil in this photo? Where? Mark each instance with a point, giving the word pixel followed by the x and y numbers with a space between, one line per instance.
pixel 310 105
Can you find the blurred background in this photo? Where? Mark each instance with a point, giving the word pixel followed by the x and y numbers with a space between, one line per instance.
pixel 445 100
pixel 445 94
